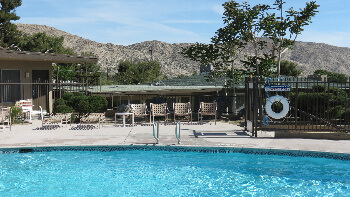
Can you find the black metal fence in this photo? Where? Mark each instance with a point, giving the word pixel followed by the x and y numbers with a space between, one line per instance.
pixel 297 105
pixel 39 92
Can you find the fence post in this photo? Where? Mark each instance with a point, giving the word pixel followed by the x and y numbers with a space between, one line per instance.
pixel 256 105
pixel 246 103
pixel 296 103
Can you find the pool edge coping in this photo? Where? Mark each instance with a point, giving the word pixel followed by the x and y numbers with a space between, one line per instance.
pixel 203 149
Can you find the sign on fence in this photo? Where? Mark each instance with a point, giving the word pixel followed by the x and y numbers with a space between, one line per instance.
pixel 277 88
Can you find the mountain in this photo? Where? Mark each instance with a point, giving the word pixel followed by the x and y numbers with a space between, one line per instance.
pixel 309 56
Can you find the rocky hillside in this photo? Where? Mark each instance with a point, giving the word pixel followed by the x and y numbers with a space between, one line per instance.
pixel 309 56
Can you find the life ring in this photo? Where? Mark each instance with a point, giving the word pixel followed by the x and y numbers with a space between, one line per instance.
pixel 271 113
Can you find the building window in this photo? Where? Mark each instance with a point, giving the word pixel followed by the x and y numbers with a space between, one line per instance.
pixel 10 87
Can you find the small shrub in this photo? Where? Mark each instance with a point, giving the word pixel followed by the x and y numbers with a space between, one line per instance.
pixel 80 103
pixel 336 111
pixel 60 101
pixel 62 109
pixel 97 103
pixel 68 97
pixel 16 112
pixel 83 107
pixel 318 88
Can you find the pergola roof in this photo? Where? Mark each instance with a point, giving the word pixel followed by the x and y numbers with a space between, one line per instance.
pixel 6 54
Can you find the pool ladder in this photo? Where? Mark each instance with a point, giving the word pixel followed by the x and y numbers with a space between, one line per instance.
pixel 178 135
pixel 177 132
pixel 154 135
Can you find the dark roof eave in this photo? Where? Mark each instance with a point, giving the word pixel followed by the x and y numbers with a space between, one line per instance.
pixel 165 91
pixel 44 57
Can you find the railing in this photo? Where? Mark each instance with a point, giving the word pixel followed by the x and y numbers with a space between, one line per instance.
pixel 154 135
pixel 39 92
pixel 178 136
pixel 313 106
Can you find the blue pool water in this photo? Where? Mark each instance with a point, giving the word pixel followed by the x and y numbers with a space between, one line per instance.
pixel 163 173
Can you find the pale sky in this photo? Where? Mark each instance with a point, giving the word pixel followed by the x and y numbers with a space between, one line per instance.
pixel 126 22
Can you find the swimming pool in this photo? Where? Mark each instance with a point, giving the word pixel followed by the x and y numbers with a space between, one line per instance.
pixel 157 172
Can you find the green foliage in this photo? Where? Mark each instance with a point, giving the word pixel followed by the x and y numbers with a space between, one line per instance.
pixel 277 106
pixel 289 68
pixel 15 113
pixel 80 103
pixel 98 103
pixel 40 42
pixel 336 111
pixel 332 77
pixel 107 80
pixel 9 34
pixel 258 26
pixel 318 88
pixel 77 72
pixel 322 100
pixel 60 106
pixel 60 101
pixel 68 97
pixel 136 73
pixel 321 72
pixel 62 109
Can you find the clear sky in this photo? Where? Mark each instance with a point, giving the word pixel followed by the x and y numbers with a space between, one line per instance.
pixel 125 22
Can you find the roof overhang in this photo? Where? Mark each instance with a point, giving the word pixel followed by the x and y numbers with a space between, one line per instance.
pixel 6 54
pixel 151 90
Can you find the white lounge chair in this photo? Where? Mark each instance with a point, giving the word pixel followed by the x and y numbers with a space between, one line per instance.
pixel 5 116
pixel 27 108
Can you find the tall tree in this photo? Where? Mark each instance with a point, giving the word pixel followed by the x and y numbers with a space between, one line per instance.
pixel 40 42
pixel 8 32
pixel 261 27
pixel 289 68
pixel 140 72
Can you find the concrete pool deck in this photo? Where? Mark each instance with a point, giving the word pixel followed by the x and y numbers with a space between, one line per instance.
pixel 197 135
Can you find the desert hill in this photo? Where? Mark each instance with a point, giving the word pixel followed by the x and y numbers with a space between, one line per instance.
pixel 309 56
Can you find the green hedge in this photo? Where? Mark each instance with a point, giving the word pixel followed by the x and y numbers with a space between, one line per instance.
pixel 80 103
pixel 321 100
pixel 332 77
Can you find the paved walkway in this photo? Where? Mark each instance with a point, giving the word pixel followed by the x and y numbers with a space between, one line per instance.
pixel 205 135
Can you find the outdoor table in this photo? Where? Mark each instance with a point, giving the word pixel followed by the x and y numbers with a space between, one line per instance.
pixel 124 114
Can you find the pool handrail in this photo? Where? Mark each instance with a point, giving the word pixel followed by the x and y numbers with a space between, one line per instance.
pixel 176 135
pixel 157 138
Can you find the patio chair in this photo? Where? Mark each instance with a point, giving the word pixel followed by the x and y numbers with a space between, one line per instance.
pixel 94 118
pixel 140 110
pixel 159 110
pixel 182 109
pixel 5 116
pixel 207 109
pixel 27 108
pixel 58 118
